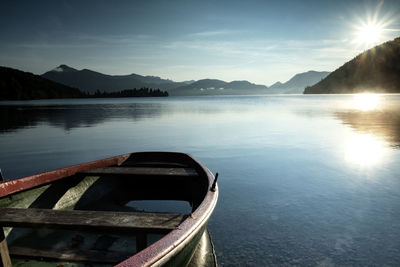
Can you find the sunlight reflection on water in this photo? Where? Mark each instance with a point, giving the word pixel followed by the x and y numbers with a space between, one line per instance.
pixel 364 150
pixel 367 101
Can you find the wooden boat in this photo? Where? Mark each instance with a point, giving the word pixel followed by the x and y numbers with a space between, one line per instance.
pixel 81 214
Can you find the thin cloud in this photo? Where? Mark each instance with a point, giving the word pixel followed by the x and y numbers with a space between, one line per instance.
pixel 212 33
pixel 72 40
pixel 277 59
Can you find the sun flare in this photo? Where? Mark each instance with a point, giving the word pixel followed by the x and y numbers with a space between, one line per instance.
pixel 370 33
pixel 373 27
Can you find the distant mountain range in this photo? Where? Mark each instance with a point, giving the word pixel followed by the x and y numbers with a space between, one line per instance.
pixel 19 85
pixel 218 87
pixel 66 82
pixel 91 81
pixel 295 85
pixel 298 82
pixel 375 70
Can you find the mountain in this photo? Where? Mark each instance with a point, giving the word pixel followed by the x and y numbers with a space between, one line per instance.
pixel 218 87
pixel 276 85
pixel 91 81
pixel 19 85
pixel 375 70
pixel 298 82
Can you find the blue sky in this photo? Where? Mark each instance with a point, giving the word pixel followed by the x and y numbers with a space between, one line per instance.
pixel 259 41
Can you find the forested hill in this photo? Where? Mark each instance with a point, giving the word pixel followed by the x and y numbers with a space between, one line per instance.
pixel 375 70
pixel 19 85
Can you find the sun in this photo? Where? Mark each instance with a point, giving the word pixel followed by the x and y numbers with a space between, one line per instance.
pixel 373 27
pixel 370 33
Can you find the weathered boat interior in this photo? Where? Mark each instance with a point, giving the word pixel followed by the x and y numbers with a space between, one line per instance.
pixel 102 216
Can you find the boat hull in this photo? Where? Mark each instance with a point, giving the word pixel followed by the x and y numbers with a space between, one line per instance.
pixel 76 188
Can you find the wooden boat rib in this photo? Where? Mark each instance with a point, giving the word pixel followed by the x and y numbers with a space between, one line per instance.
pixel 83 197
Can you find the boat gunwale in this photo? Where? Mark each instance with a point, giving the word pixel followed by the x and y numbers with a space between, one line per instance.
pixel 9 187
pixel 159 252
pixel 175 241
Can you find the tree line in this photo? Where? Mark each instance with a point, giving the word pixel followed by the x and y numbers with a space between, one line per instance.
pixel 142 92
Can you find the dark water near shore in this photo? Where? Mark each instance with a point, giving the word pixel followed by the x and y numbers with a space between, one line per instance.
pixel 304 180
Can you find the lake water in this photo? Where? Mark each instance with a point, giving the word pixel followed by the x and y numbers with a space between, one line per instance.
pixel 304 180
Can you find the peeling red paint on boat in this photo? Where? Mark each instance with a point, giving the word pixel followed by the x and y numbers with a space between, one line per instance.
pixel 13 186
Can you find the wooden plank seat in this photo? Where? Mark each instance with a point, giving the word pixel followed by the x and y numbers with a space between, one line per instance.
pixel 135 223
pixel 161 171
pixel 74 255
pixel 85 220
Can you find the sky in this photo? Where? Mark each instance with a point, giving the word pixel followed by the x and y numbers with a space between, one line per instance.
pixel 259 41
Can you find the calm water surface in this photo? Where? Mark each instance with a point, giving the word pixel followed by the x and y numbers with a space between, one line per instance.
pixel 304 180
